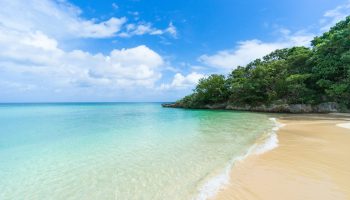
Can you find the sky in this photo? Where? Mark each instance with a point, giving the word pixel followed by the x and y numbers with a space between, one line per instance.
pixel 143 50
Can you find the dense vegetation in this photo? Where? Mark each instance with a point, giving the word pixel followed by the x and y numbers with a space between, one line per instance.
pixel 297 75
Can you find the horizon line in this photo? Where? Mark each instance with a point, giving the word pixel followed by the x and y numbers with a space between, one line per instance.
pixel 63 102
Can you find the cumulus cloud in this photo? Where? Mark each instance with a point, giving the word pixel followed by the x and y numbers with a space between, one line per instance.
pixel 60 19
pixel 56 19
pixel 182 82
pixel 32 59
pixel 37 55
pixel 35 59
pixel 90 29
pixel 331 17
pixel 247 51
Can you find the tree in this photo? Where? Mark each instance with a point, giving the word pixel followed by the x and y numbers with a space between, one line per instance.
pixel 331 61
pixel 291 75
pixel 212 89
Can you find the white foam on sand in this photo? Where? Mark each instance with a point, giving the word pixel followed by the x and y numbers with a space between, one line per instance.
pixel 270 141
pixel 344 125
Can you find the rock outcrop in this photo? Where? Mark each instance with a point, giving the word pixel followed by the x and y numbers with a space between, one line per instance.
pixel 290 108
pixel 328 107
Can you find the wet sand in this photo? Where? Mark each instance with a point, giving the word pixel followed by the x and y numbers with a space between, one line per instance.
pixel 312 161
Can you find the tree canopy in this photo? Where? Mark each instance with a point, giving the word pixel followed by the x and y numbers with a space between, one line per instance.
pixel 294 75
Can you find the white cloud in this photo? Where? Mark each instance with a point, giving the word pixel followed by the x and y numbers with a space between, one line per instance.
pixel 142 29
pixel 37 56
pixel 39 40
pixel 331 17
pixel 60 19
pixel 249 50
pixel 182 82
pixel 245 52
pixel 171 30
pixel 17 86
pixel 109 28
pixel 56 19
pixel 147 28
pixel 32 58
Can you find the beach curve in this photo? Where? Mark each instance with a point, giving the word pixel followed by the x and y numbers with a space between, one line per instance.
pixel 265 143
pixel 310 163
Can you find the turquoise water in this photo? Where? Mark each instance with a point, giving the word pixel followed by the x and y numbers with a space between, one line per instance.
pixel 117 151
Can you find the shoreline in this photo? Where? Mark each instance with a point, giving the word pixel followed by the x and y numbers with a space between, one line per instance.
pixel 321 108
pixel 309 163
pixel 264 143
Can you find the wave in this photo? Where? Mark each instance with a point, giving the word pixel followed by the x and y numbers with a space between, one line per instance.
pixel 344 125
pixel 264 144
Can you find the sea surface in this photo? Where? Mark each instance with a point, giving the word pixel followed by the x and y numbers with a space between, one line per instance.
pixel 91 151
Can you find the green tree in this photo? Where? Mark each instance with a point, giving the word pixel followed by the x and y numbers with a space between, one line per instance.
pixel 331 60
pixel 212 89
pixel 291 75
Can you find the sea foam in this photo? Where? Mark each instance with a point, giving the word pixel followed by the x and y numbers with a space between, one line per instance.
pixel 266 143
pixel 344 125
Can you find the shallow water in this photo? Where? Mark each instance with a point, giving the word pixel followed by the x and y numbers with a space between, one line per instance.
pixel 117 151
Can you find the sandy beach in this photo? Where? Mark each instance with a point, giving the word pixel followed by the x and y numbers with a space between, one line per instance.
pixel 312 161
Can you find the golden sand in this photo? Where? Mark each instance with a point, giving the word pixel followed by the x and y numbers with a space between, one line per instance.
pixel 311 162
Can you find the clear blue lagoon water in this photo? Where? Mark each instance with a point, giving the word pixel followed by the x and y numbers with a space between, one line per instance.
pixel 117 150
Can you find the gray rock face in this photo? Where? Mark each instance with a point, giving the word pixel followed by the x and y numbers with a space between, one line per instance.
pixel 216 106
pixel 300 108
pixel 326 107
pixel 289 108
pixel 170 105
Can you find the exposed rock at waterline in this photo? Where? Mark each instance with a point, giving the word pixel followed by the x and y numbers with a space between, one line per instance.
pixel 328 107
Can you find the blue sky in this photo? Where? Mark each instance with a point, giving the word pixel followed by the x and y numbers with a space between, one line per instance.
pixel 138 50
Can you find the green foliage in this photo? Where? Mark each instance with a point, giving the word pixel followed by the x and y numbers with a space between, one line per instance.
pixel 210 90
pixel 294 75
pixel 189 101
pixel 331 59
pixel 281 75
pixel 298 92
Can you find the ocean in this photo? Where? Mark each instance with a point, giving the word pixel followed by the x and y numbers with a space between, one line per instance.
pixel 120 150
